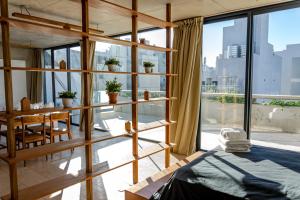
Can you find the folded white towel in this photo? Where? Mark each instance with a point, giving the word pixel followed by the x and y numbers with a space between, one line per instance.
pixel 232 150
pixel 233 134
pixel 227 142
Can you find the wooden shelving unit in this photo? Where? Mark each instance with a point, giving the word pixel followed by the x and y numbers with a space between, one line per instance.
pixel 85 71
pixel 86 34
pixel 50 29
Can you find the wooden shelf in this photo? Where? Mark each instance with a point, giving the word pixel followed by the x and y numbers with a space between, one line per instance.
pixel 61 109
pixel 155 74
pixel 46 69
pixel 85 71
pixel 110 40
pixel 53 22
pixel 43 189
pixel 152 150
pixel 53 30
pixel 96 139
pixel 39 151
pixel 155 48
pixel 154 125
pixel 42 28
pixel 99 169
pixel 116 104
pixel 123 11
pixel 48 110
pixel 157 99
pixel 119 103
pixel 109 72
pixel 51 186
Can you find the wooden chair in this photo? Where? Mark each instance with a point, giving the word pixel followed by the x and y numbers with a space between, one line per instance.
pixel 25 104
pixel 27 137
pixel 57 131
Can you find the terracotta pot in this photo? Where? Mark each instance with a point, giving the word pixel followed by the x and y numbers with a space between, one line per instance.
pixel 67 102
pixel 112 67
pixel 148 69
pixel 113 97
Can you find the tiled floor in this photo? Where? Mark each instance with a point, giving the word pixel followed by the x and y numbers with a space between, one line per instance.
pixel 107 186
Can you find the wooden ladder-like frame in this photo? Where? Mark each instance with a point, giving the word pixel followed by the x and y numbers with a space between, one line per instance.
pixel 12 157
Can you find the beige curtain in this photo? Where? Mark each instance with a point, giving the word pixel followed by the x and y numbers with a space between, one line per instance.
pixel 35 79
pixel 186 87
pixel 92 46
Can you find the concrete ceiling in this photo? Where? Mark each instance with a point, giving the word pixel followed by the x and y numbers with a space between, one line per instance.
pixel 111 23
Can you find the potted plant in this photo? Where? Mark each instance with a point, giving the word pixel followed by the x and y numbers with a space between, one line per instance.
pixel 148 67
pixel 67 98
pixel 112 89
pixel 112 64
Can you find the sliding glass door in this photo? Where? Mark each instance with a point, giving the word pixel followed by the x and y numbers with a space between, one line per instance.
pixel 276 79
pixel 223 78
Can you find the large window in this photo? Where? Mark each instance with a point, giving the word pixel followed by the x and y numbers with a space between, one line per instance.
pixel 223 78
pixel 251 76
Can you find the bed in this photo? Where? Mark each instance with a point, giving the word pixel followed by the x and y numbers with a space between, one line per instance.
pixel 264 173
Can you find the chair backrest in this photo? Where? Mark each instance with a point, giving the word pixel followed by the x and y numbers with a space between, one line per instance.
pixel 33 119
pixel 25 104
pixel 60 116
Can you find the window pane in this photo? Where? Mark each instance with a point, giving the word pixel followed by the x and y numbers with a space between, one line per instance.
pixel 75 63
pixel 276 78
pixel 48 77
pixel 61 78
pixel 223 78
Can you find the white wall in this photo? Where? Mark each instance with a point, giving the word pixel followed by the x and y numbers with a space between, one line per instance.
pixel 21 57
pixel 19 83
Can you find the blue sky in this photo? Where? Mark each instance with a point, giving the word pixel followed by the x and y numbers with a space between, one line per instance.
pixel 284 28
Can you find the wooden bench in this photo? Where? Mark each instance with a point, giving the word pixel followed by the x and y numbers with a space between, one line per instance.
pixel 145 189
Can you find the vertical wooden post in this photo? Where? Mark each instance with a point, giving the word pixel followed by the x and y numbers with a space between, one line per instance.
pixel 87 97
pixel 168 71
pixel 134 86
pixel 11 141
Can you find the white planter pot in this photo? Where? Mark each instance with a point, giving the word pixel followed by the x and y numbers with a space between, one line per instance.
pixel 148 69
pixel 112 68
pixel 67 102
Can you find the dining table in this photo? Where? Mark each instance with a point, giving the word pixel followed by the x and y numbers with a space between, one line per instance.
pixel 17 123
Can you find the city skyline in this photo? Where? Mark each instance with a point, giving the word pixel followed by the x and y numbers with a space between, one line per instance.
pixel 278 26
